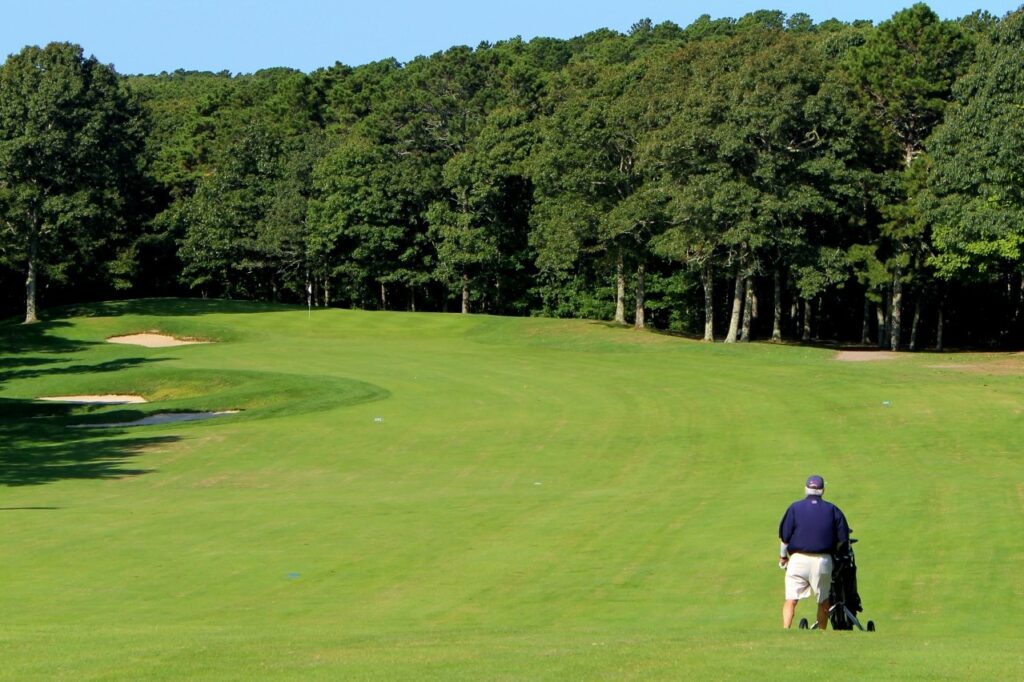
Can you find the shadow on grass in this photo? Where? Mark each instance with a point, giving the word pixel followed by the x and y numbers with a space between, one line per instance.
pixel 34 369
pixel 31 351
pixel 17 339
pixel 168 307
pixel 39 448
pixel 36 446
pixel 27 508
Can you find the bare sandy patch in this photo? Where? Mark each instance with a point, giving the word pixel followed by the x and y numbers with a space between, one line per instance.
pixel 998 364
pixel 154 340
pixel 106 399
pixel 865 355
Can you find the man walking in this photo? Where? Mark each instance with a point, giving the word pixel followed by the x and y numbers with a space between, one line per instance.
pixel 811 530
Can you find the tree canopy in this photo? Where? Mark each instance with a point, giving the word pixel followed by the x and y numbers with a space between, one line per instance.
pixel 739 178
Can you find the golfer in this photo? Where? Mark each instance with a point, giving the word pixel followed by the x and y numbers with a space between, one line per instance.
pixel 811 530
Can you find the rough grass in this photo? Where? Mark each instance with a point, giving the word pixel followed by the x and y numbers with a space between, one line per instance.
pixel 415 496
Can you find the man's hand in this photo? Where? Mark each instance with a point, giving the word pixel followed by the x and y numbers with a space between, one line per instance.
pixel 783 561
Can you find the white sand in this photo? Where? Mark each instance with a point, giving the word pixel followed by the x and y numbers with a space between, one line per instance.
pixel 865 355
pixel 161 418
pixel 153 340
pixel 107 399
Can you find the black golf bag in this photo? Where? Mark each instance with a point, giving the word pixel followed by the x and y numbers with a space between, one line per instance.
pixel 843 595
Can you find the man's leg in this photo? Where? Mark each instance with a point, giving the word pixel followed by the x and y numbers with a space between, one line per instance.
pixel 788 609
pixel 823 608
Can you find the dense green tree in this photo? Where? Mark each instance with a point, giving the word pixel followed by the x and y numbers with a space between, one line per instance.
pixel 366 233
pixel 976 201
pixel 905 70
pixel 819 166
pixel 478 227
pixel 754 153
pixel 453 95
pixel 392 160
pixel 68 147
pixel 242 230
pixel 587 162
pixel 349 94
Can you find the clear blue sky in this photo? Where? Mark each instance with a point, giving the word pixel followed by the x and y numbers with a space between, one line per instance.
pixel 242 36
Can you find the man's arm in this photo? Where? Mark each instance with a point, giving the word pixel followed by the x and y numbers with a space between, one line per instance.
pixel 785 534
pixel 842 529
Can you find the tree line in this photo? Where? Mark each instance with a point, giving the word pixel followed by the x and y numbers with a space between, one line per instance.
pixel 756 178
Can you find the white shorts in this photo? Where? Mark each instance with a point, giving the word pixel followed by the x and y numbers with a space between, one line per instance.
pixel 808 574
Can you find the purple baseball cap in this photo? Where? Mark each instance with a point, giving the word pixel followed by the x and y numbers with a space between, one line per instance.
pixel 815 483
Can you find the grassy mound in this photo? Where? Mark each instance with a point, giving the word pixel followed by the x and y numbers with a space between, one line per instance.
pixel 418 496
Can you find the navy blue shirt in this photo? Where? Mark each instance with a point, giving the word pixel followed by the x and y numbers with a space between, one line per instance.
pixel 813 526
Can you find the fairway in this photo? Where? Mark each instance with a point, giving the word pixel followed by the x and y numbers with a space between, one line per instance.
pixel 408 496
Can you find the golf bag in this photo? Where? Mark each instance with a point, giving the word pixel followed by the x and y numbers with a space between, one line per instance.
pixel 843 595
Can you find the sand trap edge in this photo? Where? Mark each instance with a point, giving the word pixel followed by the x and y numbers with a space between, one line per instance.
pixel 160 418
pixel 106 399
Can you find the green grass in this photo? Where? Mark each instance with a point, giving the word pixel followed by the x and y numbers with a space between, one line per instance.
pixel 418 496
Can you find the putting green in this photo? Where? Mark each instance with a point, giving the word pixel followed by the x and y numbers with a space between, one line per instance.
pixel 420 496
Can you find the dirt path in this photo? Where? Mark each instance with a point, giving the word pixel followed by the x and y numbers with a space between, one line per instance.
pixel 865 355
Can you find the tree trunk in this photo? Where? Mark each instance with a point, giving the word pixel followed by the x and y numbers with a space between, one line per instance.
pixel 620 289
pixel 896 327
pixel 865 327
pixel 327 292
pixel 412 298
pixel 1018 308
pixel 1018 311
pixel 806 335
pixel 819 315
pixel 880 315
pixel 383 296
pixel 737 308
pixel 913 325
pixel 30 279
pixel 777 313
pixel 641 276
pixel 939 328
pixel 748 308
pixel 465 294
pixel 1015 291
pixel 707 278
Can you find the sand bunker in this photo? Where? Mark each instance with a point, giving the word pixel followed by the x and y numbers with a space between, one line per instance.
pixel 106 399
pixel 161 418
pixel 153 340
pixel 865 355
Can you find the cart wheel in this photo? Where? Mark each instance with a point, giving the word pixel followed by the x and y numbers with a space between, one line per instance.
pixel 871 626
pixel 803 623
